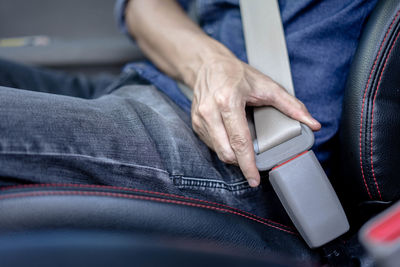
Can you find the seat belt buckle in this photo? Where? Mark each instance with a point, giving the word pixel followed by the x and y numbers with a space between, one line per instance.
pixel 266 160
pixel 303 188
pixel 309 199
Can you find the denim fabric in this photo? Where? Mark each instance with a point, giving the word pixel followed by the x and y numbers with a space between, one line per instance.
pixel 124 133
pixel 321 39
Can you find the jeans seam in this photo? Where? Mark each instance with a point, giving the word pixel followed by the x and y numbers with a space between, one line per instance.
pixel 178 180
pixel 106 160
pixel 187 181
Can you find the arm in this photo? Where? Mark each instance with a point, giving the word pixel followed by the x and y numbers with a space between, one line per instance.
pixel 223 85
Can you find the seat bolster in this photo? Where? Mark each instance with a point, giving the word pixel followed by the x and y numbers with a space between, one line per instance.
pixel 371 119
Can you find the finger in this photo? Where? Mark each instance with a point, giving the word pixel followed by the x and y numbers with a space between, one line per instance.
pixel 295 109
pixel 198 126
pixel 207 123
pixel 289 105
pixel 219 138
pixel 240 140
pixel 200 130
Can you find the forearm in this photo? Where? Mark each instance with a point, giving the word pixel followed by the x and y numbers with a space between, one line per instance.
pixel 170 39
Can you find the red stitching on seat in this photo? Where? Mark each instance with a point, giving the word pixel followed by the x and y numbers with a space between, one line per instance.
pixel 372 111
pixel 86 193
pixel 363 103
pixel 141 191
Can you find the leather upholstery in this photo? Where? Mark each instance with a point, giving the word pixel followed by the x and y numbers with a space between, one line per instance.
pixel 104 249
pixel 370 132
pixel 103 208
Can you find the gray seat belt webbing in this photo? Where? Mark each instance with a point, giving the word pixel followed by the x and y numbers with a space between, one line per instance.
pixel 266 51
pixel 300 182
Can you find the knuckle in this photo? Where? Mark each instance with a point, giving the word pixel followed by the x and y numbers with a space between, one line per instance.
pixel 227 157
pixel 239 143
pixel 273 99
pixel 273 93
pixel 277 87
pixel 196 123
pixel 302 106
pixel 299 105
pixel 297 113
pixel 204 110
pixel 221 99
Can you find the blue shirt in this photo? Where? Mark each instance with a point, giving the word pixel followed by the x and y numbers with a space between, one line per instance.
pixel 321 37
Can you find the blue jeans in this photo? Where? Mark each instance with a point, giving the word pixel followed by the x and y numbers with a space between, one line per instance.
pixel 61 128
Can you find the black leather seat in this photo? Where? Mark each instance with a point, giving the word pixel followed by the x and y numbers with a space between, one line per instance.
pixel 177 220
pixel 128 226
pixel 370 142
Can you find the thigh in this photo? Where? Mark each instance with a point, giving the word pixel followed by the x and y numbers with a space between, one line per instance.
pixel 133 133
pixel 48 138
pixel 133 137
pixel 37 79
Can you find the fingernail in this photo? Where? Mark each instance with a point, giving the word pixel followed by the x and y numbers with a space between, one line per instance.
pixel 253 182
pixel 314 122
pixel 317 124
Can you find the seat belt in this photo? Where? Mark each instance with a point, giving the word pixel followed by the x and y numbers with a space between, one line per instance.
pixel 281 143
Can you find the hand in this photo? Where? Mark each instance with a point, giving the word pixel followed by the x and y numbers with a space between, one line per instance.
pixel 223 88
pixel 222 84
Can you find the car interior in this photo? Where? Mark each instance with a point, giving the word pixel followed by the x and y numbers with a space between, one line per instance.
pixel 84 225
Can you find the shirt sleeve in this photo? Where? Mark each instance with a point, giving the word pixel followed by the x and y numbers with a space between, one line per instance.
pixel 119 13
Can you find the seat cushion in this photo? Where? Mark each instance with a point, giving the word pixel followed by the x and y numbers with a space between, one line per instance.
pixel 105 208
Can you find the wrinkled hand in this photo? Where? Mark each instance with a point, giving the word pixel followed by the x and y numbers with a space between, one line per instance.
pixel 223 88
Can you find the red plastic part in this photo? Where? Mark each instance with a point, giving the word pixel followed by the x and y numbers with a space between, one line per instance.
pixel 387 229
pixel 290 160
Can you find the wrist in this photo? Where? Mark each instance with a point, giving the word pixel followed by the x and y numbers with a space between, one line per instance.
pixel 206 54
